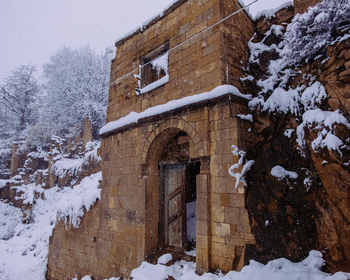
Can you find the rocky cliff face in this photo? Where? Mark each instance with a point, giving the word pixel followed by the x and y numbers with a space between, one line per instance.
pixel 291 215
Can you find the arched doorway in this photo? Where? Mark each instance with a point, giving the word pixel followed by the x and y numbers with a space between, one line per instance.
pixel 171 167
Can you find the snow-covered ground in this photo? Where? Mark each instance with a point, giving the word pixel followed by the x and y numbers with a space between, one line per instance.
pixel 308 269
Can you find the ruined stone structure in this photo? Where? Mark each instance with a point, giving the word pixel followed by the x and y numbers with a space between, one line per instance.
pixel 173 157
pixel 29 166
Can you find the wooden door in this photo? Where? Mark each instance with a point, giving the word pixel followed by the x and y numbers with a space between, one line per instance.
pixel 174 205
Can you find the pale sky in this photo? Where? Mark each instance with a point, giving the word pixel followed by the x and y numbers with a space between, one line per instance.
pixel 33 30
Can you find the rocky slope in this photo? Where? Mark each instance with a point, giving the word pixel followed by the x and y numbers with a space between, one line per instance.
pixel 301 123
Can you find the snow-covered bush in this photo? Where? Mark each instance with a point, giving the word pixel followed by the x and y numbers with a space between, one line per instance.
pixel 306 38
pixel 310 33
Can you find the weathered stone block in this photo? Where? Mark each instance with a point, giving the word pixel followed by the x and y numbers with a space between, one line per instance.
pixel 235 241
pixel 243 217
pixel 231 215
pixel 202 241
pixel 202 206
pixel 237 200
pixel 222 229
pixel 218 239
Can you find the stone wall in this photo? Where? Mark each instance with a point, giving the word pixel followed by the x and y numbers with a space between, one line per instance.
pixel 335 75
pixel 77 251
pixel 126 232
pixel 197 58
pixel 222 222
pixel 17 160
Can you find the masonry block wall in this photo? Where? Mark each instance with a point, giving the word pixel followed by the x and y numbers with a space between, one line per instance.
pixel 197 59
pixel 131 184
pixel 77 251
pixel 124 228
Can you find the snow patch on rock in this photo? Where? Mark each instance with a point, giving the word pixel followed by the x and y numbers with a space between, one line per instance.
pixel 280 173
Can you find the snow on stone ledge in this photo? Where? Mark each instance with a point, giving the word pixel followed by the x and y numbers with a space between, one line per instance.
pixel 75 201
pixel 322 120
pixel 248 117
pixel 155 84
pixel 133 117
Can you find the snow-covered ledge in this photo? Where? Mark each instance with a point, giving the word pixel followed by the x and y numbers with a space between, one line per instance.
pixel 155 84
pixel 133 117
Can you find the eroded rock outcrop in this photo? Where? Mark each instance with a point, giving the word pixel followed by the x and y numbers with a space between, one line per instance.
pixel 291 216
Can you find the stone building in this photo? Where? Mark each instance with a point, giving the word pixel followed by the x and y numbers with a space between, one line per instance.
pixel 154 167
pixel 175 122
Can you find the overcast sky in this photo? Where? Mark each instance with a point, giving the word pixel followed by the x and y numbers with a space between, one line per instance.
pixel 32 30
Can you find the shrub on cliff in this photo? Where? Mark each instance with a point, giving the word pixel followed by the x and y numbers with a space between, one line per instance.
pixel 310 33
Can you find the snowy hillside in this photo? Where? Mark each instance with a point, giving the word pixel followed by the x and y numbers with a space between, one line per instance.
pixel 24 246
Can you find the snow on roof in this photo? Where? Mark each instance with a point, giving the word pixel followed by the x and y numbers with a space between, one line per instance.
pixel 129 33
pixel 146 22
pixel 161 14
pixel 269 13
pixel 133 117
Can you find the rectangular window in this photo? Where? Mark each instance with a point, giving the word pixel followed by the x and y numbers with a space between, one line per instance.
pixel 154 69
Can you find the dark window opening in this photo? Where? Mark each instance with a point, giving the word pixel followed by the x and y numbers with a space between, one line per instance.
pixel 154 65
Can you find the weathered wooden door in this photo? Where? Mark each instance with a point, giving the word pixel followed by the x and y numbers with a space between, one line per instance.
pixel 174 205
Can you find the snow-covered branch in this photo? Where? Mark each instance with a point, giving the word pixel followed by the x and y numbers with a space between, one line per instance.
pixel 246 166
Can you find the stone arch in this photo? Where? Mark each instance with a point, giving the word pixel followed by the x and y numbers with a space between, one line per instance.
pixel 151 154
pixel 175 125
